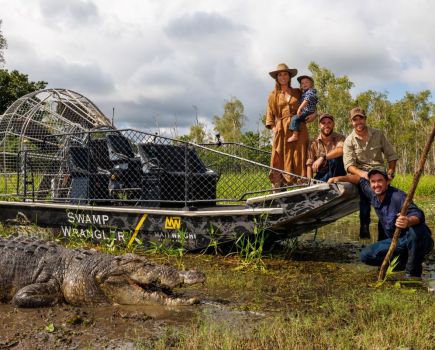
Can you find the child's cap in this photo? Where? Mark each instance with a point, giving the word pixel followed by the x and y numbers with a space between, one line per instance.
pixel 305 77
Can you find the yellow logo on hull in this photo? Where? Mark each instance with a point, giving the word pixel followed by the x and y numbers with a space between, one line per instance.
pixel 173 223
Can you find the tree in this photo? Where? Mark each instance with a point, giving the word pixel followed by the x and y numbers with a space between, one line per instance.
pixel 411 121
pixel 251 139
pixel 3 44
pixel 197 133
pixel 265 134
pixel 13 85
pixel 334 95
pixel 406 123
pixel 229 126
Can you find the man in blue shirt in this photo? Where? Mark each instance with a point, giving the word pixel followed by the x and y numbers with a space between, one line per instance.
pixel 415 238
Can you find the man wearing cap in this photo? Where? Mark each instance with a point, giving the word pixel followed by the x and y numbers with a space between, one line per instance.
pixel 415 238
pixel 325 155
pixel 363 149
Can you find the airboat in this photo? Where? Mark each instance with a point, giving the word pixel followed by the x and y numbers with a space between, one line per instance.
pixel 65 167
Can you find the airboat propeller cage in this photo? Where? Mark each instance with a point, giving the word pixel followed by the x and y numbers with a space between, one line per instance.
pixel 30 121
pixel 64 166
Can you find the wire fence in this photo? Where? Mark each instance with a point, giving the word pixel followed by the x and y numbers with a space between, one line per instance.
pixel 129 167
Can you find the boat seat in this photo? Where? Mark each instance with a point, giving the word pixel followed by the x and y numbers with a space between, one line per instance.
pixel 180 173
pixel 126 171
pixel 100 153
pixel 86 182
pixel 119 147
pixel 172 158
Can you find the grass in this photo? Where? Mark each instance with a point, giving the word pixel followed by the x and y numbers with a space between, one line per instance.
pixel 296 304
pixel 376 322
pixel 170 250
pixel 425 187
pixel 293 305
pixel 250 248
pixel 424 194
pixel 305 306
pixel 232 185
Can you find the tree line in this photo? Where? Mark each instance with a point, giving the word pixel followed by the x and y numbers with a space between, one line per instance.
pixel 406 122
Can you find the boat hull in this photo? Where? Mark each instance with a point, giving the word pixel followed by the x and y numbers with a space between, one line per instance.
pixel 283 215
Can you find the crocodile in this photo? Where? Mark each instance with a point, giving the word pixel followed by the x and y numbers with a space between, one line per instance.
pixel 37 273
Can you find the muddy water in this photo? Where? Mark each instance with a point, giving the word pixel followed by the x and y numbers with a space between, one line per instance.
pixel 70 327
pixel 318 265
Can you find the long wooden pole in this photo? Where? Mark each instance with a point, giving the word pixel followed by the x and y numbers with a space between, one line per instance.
pixel 406 204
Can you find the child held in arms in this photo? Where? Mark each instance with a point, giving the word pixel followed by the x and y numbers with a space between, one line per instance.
pixel 307 107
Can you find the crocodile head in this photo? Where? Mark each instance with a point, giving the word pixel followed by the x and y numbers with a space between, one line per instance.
pixel 127 279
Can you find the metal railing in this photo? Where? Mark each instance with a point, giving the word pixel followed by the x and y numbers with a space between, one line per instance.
pixel 134 168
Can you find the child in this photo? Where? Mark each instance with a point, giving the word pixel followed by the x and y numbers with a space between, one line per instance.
pixel 307 107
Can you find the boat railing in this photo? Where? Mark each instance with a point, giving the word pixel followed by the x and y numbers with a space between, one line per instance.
pixel 135 168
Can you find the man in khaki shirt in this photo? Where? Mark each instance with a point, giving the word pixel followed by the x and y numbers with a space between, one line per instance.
pixel 364 149
pixel 325 154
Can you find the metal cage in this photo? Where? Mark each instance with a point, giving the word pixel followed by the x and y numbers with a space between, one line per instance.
pixel 26 127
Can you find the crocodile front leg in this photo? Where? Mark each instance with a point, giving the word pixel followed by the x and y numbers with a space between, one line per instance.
pixel 38 295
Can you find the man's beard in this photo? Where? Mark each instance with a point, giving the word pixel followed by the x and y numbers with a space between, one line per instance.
pixel 326 134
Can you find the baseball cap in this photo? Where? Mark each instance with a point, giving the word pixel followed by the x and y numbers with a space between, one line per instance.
pixel 326 115
pixel 305 77
pixel 357 111
pixel 378 170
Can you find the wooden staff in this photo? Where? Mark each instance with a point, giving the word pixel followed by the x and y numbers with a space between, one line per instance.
pixel 406 204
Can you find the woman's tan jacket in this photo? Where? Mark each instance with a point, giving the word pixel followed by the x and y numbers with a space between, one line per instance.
pixel 290 157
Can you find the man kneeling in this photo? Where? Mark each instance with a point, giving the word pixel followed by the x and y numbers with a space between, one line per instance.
pixel 415 238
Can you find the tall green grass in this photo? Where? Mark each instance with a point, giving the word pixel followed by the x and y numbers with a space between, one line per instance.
pixel 426 185
pixel 379 320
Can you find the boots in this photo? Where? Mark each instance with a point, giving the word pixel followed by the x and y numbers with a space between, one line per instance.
pixel 364 231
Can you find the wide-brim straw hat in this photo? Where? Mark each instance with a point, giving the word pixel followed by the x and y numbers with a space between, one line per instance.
pixel 282 67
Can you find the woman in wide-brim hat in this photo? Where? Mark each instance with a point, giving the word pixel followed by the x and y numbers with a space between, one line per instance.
pixel 282 105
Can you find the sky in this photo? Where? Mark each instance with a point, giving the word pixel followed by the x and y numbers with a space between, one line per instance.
pixel 161 64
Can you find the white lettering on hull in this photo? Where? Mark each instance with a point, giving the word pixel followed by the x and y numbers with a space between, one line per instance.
pixel 175 236
pixel 90 219
pixel 97 234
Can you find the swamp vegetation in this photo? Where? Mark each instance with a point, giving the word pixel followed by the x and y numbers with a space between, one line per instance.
pixel 310 293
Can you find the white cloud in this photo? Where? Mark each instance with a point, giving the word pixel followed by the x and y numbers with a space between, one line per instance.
pixel 155 60
pixel 68 12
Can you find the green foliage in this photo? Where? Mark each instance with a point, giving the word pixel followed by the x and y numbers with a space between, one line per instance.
pixel 214 243
pixel 334 96
pixel 250 249
pixel 406 123
pixel 13 85
pixel 302 305
pixel 197 133
pixel 251 138
pixel 231 123
pixel 168 248
pixel 390 271
pixel 50 328
pixel 425 187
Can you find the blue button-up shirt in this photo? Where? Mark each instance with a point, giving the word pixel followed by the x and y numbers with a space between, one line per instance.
pixel 392 204
pixel 310 95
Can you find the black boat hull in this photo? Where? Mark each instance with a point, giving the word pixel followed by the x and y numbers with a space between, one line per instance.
pixel 284 215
